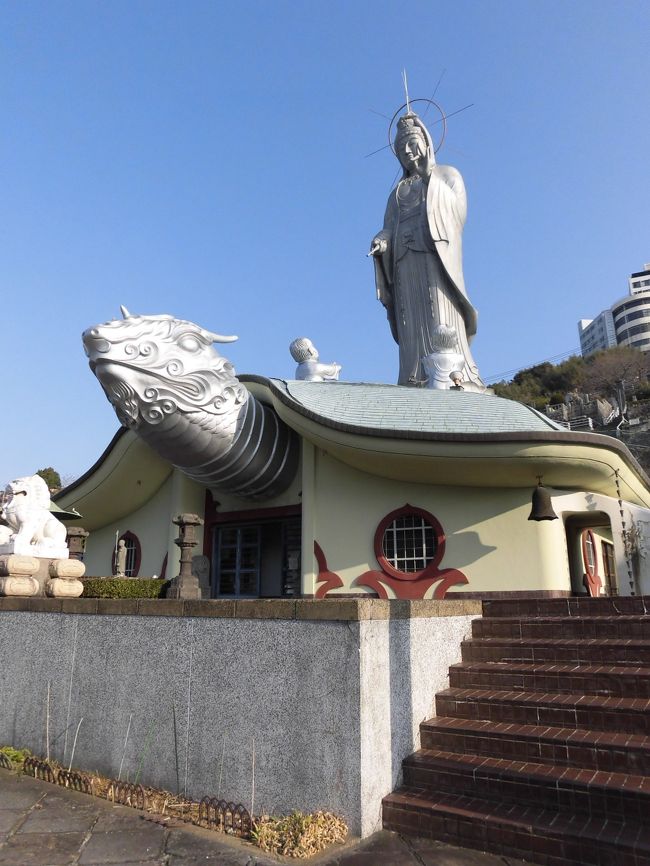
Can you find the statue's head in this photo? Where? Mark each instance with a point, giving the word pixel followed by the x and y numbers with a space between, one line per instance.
pixel 303 349
pixel 444 339
pixel 413 145
pixel 151 366
pixel 33 488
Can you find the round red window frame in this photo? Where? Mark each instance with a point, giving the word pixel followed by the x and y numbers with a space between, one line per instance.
pixel 431 569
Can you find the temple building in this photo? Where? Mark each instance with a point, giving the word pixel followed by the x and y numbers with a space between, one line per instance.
pixel 398 492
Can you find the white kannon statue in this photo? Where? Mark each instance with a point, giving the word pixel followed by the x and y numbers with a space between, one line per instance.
pixel 418 257
pixel 309 368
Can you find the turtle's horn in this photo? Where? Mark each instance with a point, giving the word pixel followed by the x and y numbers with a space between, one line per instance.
pixel 125 312
pixel 219 338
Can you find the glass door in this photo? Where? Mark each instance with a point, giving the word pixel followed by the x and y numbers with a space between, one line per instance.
pixel 237 557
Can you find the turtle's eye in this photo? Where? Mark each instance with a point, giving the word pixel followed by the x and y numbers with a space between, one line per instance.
pixel 189 344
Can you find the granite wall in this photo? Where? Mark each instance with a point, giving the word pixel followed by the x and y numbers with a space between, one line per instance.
pixel 326 696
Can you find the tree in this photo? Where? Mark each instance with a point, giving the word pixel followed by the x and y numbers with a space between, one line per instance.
pixel 614 372
pixel 544 383
pixel 51 477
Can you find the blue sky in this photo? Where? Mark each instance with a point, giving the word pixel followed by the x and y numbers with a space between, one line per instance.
pixel 207 159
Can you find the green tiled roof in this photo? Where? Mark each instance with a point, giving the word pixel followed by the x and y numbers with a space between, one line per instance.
pixel 400 409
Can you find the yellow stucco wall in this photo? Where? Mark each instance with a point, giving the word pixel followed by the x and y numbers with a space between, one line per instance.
pixel 488 535
pixel 152 525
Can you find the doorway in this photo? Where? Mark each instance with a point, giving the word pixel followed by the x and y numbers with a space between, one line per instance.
pixel 257 559
pixel 590 547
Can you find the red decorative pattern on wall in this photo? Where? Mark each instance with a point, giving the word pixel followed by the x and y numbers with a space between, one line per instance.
pixel 329 579
pixel 411 584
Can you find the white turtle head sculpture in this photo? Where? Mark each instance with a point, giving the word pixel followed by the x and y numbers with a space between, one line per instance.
pixel 165 380
pixel 151 366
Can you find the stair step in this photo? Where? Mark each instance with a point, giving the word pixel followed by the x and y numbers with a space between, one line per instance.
pixel 587 712
pixel 574 789
pixel 608 651
pixel 597 750
pixel 621 681
pixel 561 627
pixel 574 606
pixel 527 832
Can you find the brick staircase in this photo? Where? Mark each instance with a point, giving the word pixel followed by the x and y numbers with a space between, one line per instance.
pixel 541 746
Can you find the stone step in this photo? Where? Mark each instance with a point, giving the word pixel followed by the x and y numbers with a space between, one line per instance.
pixel 527 832
pixel 562 627
pixel 617 796
pixel 573 606
pixel 620 681
pixel 596 750
pixel 610 651
pixel 587 712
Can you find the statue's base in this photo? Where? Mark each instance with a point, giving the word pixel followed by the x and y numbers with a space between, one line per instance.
pixel 61 587
pixel 19 584
pixel 40 551
pixel 32 575
pixel 17 575
pixel 184 588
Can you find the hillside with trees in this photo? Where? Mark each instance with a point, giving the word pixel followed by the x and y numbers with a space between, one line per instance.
pixel 606 374
pixel 614 381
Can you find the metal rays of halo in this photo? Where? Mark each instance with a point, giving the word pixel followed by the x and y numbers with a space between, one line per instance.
pixel 443 118
pixel 408 104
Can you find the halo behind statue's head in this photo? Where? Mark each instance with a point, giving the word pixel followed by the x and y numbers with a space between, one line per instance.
pixel 411 122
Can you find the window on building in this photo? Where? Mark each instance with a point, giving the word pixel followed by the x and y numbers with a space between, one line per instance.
pixel 133 554
pixel 609 567
pixel 589 548
pixel 237 555
pixel 633 330
pixel 629 305
pixel 410 539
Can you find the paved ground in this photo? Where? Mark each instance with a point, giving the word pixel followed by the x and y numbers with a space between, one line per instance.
pixel 44 825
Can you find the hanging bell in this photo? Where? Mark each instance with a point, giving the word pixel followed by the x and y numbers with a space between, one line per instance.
pixel 542 507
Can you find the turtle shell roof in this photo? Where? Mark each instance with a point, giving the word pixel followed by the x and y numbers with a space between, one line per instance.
pixel 396 409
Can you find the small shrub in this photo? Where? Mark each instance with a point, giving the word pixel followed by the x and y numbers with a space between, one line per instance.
pixel 298 835
pixel 120 587
pixel 16 756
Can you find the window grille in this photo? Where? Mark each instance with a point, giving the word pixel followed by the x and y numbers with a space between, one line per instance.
pixel 409 543
pixel 133 554
pixel 238 561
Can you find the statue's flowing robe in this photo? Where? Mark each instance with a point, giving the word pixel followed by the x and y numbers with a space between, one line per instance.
pixel 420 276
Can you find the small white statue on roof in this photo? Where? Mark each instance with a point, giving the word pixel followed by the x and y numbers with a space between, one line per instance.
pixel 444 366
pixel 309 367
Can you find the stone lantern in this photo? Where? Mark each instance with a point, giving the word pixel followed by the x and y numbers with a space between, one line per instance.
pixel 186 584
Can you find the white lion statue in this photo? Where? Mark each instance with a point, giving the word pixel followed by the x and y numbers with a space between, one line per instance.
pixel 26 511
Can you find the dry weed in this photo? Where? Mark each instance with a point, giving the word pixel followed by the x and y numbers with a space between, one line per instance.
pixel 298 835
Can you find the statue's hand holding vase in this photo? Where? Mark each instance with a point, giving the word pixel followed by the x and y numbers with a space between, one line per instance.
pixel 378 246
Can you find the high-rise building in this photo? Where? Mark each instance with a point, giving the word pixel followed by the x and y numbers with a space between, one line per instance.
pixel 625 323
pixel 597 334
pixel 640 281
